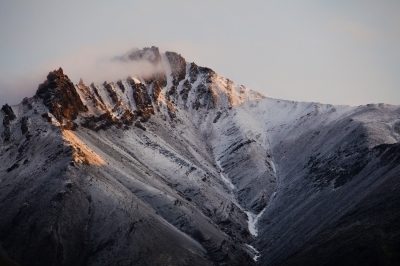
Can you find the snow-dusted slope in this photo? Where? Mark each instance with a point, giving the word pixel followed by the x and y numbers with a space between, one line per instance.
pixel 184 167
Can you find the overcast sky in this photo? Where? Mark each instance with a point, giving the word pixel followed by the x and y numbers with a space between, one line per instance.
pixel 341 52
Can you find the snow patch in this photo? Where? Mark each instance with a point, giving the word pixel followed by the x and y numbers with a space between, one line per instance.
pixel 273 166
pixel 226 180
pixel 253 220
pixel 256 253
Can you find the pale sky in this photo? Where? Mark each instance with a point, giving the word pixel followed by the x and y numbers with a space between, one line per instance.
pixel 340 52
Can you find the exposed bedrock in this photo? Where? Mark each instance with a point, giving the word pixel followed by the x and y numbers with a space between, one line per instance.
pixel 60 96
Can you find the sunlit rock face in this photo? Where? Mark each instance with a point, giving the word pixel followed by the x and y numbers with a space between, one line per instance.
pixel 61 98
pixel 184 167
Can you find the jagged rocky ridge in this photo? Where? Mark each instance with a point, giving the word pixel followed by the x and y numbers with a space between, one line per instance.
pixel 185 167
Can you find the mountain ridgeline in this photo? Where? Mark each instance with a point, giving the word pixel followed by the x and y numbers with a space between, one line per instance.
pixel 184 167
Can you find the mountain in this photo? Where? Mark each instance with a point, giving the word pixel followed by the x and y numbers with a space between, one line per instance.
pixel 184 167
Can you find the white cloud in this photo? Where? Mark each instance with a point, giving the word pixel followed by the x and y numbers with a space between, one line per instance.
pixel 92 64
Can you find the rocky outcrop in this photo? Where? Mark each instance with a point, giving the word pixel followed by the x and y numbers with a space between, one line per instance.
pixel 204 94
pixel 178 67
pixel 8 111
pixel 96 93
pixel 7 130
pixel 24 125
pixel 100 122
pixel 205 98
pixel 193 72
pixel 208 73
pixel 121 85
pixel 111 92
pixel 140 125
pixel 157 81
pixel 28 103
pixel 178 72
pixel 107 120
pixel 8 117
pixel 184 93
pixel 91 95
pixel 61 98
pixel 142 99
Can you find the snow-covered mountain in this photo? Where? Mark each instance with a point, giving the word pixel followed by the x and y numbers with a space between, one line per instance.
pixel 184 167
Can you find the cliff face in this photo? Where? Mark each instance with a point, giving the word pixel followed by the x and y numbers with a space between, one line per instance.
pixel 8 117
pixel 61 98
pixel 184 167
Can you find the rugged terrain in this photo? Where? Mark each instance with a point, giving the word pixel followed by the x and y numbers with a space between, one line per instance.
pixel 184 167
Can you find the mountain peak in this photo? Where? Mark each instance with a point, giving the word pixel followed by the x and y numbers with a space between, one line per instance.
pixel 61 98
pixel 176 85
pixel 151 54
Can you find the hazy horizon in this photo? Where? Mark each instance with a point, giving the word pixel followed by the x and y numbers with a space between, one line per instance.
pixel 340 53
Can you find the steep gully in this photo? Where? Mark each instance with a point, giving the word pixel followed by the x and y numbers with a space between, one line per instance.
pixel 252 218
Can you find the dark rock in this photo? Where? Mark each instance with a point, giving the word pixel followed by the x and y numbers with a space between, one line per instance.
pixel 121 85
pixel 6 121
pixel 47 117
pixel 111 92
pixel 171 94
pixel 101 122
pixel 127 117
pixel 388 153
pixel 7 130
pixel 107 120
pixel 139 125
pixel 142 99
pixel 185 90
pixel 193 72
pixel 24 125
pixel 96 92
pixel 207 72
pixel 217 117
pixel 90 94
pixel 14 166
pixel 60 96
pixel 70 125
pixel 204 98
pixel 8 117
pixel 8 111
pixel 178 67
